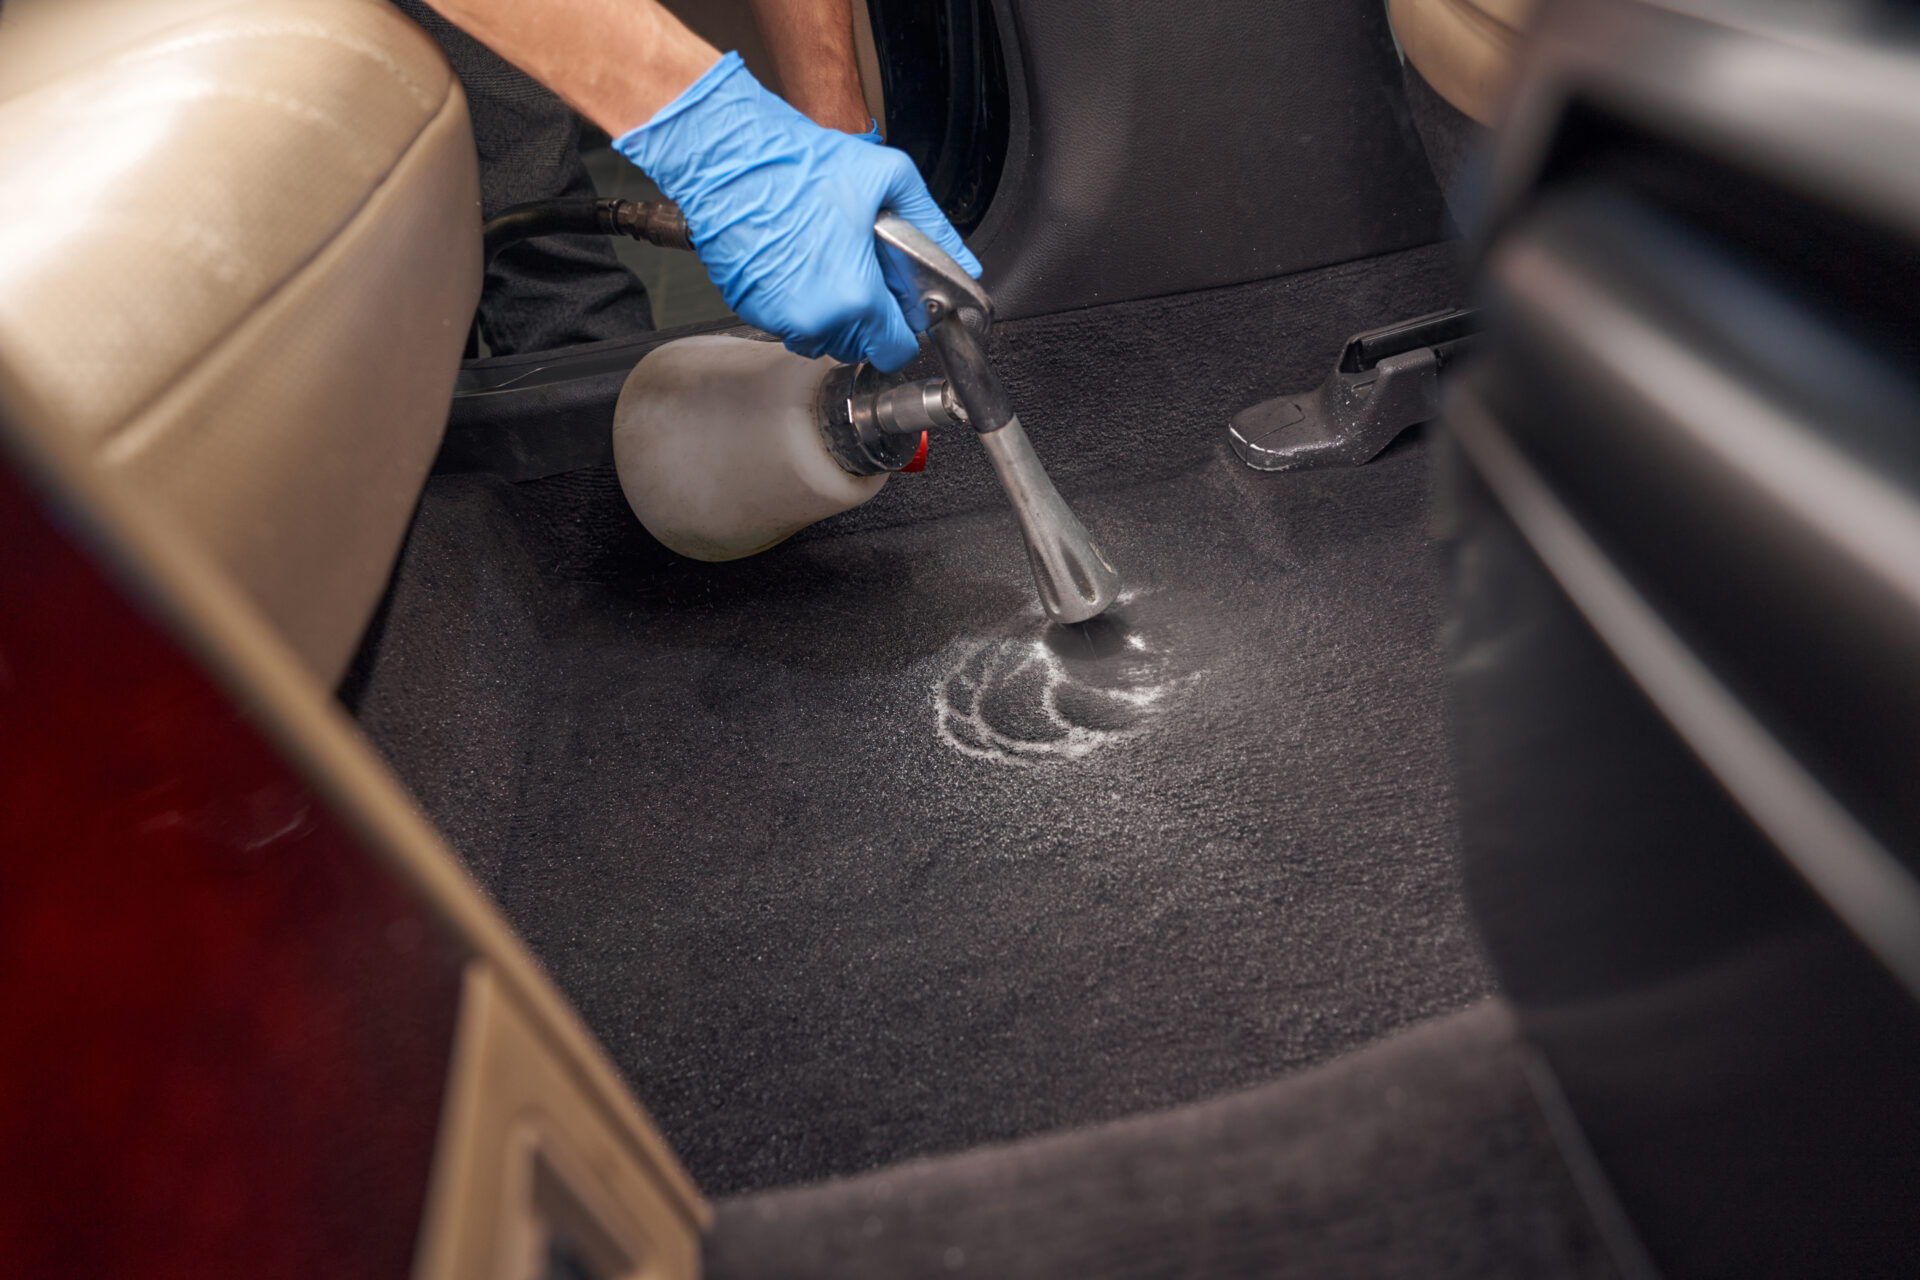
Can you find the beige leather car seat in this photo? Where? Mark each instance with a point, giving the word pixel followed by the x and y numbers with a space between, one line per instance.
pixel 1465 49
pixel 239 252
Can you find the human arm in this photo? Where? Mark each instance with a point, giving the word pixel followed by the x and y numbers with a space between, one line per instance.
pixel 811 45
pixel 616 62
pixel 781 210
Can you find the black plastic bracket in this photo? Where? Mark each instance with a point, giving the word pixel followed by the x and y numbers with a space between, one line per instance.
pixel 1385 381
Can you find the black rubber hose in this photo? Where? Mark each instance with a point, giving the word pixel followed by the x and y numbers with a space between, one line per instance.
pixel 655 221
pixel 541 218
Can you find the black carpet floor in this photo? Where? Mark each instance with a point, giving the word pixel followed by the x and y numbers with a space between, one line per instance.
pixel 1422 1156
pixel 847 858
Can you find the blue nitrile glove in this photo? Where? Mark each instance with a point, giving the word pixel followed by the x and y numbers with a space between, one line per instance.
pixel 782 211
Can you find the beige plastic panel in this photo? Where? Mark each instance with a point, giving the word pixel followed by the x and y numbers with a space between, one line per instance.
pixel 226 387
pixel 231 638
pixel 531 1159
pixel 238 254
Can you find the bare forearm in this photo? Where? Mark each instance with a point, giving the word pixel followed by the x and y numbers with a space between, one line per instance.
pixel 617 62
pixel 811 44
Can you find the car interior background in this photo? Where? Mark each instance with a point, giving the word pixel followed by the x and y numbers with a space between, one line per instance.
pixel 1494 859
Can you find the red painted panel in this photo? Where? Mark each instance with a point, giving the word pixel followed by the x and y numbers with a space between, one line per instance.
pixel 224 1029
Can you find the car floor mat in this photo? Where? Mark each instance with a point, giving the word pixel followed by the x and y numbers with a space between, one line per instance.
pixel 847 857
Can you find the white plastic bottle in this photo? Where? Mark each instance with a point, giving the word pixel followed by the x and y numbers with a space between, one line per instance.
pixel 717 442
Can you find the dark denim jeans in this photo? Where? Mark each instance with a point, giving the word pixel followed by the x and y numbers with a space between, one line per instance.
pixel 555 291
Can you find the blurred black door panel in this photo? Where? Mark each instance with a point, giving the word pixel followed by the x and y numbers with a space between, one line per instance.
pixel 944 77
pixel 1687 648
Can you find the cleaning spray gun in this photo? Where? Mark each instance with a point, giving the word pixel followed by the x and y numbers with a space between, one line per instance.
pixel 726 446
pixel 1075 580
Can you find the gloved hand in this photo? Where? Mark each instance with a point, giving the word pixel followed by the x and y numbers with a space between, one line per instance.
pixel 782 211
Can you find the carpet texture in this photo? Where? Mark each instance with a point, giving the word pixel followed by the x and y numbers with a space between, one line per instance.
pixel 848 858
pixel 1422 1156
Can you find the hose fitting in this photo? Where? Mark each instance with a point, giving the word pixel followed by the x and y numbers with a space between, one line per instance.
pixel 654 221
pixel 872 424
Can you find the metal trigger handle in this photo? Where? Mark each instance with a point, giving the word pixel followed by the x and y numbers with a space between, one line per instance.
pixel 1075 581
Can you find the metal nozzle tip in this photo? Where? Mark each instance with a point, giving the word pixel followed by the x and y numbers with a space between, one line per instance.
pixel 1075 580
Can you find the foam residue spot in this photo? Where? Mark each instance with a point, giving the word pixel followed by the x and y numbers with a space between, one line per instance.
pixel 1040 693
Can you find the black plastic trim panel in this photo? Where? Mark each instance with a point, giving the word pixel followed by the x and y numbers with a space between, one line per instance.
pixel 1687 563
